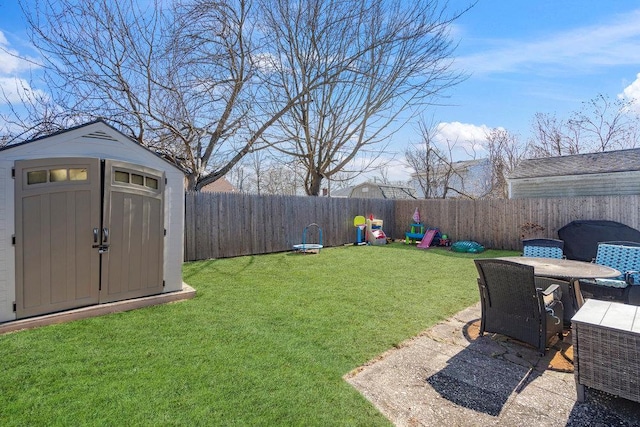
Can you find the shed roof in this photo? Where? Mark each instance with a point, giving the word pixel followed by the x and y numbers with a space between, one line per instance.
pixel 579 164
pixel 97 129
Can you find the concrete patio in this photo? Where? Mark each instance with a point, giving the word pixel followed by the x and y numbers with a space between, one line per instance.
pixel 450 376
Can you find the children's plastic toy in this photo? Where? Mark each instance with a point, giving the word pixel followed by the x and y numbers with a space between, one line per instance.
pixel 309 247
pixel 467 246
pixel 444 241
pixel 416 216
pixel 429 236
pixel 361 223
pixel 375 234
pixel 416 233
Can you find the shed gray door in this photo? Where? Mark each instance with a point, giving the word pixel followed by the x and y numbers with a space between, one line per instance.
pixel 57 207
pixel 83 240
pixel 134 224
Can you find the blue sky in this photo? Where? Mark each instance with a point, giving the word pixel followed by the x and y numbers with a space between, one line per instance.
pixel 546 56
pixel 522 57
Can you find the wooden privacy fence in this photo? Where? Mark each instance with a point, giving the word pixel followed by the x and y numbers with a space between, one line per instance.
pixel 501 224
pixel 220 225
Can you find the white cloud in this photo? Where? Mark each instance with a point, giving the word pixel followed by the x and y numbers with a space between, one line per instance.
pixel 393 169
pixel 613 43
pixel 631 93
pixel 10 61
pixel 15 90
pixel 14 87
pixel 464 139
pixel 398 171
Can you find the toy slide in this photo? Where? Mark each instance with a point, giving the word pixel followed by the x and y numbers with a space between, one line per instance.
pixel 427 239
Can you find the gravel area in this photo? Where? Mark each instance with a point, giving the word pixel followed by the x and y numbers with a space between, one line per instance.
pixel 449 376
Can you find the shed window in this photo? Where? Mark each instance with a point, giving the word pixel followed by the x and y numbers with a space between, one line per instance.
pixel 151 183
pixel 36 177
pixel 57 175
pixel 121 177
pixel 137 179
pixel 78 174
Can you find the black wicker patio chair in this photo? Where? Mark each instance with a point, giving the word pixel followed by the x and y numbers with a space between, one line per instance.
pixel 512 305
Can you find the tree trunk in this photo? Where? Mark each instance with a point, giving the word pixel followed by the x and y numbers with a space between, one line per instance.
pixel 192 181
pixel 313 184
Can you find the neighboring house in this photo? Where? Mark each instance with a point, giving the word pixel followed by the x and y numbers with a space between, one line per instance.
pixel 221 185
pixel 469 178
pixel 594 174
pixel 375 190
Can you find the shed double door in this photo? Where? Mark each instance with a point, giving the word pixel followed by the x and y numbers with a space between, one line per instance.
pixel 88 231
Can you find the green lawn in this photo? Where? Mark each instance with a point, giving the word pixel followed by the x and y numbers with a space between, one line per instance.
pixel 266 341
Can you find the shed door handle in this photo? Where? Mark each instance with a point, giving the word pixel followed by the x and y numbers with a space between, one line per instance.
pixel 105 235
pixel 96 233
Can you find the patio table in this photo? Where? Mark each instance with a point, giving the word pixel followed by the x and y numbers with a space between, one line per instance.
pixel 568 270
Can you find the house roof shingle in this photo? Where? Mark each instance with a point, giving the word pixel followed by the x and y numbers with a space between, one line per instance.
pixel 397 192
pixel 579 164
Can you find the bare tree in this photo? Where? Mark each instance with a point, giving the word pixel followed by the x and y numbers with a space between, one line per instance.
pixel 606 124
pixel 30 113
pixel 434 169
pixel 504 153
pixel 548 136
pixel 377 59
pixel 281 179
pixel 601 125
pixel 179 77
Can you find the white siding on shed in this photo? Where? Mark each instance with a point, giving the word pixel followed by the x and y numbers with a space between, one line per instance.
pixel 7 255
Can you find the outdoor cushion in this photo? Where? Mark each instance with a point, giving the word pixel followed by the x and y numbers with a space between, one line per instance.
pixel 542 251
pixel 624 258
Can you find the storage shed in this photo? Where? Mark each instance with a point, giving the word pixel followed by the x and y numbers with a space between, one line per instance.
pixel 87 216
pixel 595 174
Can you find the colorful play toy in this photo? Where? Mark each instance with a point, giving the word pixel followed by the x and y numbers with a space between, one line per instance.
pixel 305 247
pixel 467 246
pixel 360 222
pixel 375 235
pixel 416 233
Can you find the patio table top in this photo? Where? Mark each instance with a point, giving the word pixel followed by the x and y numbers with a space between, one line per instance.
pixel 565 268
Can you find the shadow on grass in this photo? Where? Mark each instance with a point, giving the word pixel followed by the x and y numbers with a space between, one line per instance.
pixel 194 268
